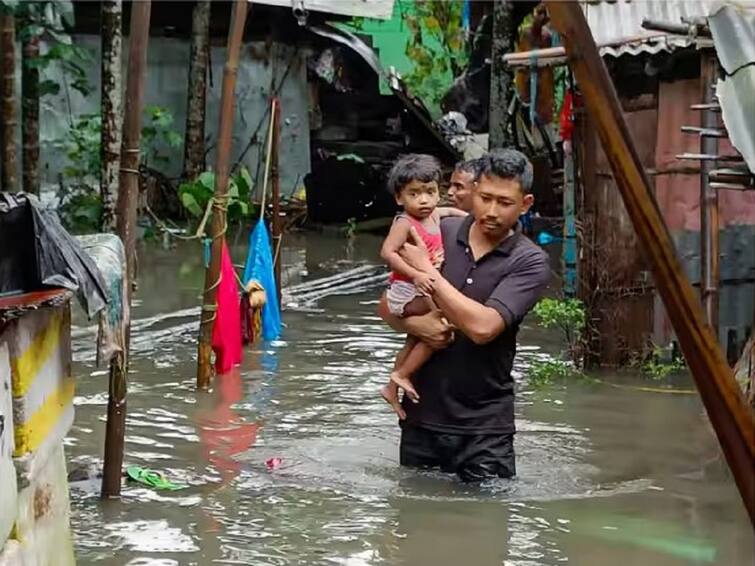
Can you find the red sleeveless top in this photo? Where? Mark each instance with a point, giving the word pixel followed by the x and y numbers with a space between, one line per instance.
pixel 433 243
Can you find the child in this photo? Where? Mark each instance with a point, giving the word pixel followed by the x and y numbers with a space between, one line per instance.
pixel 414 180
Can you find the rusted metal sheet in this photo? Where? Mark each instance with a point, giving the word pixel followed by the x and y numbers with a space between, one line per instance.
pixel 14 306
pixel 677 189
pixel 677 183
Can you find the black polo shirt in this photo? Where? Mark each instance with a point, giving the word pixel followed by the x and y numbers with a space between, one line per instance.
pixel 467 388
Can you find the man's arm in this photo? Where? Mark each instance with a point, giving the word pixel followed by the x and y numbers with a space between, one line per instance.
pixel 508 303
pixel 446 211
pixel 478 322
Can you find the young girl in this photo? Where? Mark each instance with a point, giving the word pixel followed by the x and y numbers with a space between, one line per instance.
pixel 414 180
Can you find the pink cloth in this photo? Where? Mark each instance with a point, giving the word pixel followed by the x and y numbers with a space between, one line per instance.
pixel 226 333
pixel 433 243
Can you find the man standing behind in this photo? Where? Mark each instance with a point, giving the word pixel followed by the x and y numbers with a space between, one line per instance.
pixel 492 276
pixel 462 180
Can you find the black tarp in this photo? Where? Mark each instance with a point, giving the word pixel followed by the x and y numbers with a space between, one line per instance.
pixel 36 252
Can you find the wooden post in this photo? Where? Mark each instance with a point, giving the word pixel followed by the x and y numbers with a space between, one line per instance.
pixel 723 400
pixel 276 196
pixel 128 196
pixel 500 74
pixel 8 120
pixel 709 245
pixel 218 223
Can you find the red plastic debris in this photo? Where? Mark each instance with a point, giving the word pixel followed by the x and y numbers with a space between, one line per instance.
pixel 273 463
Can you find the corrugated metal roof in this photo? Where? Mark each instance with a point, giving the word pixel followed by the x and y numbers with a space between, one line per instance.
pixel 380 9
pixel 622 19
pixel 733 30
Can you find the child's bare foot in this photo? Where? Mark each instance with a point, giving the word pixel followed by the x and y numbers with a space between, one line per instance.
pixel 406 385
pixel 390 394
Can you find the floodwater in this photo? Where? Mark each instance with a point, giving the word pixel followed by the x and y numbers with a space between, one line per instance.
pixel 293 459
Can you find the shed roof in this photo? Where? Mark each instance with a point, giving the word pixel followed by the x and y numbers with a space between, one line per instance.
pixel 612 21
pixel 733 30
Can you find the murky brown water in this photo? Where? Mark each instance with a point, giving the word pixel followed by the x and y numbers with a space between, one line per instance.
pixel 608 475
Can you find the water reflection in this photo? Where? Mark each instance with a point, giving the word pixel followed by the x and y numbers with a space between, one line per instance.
pixel 223 432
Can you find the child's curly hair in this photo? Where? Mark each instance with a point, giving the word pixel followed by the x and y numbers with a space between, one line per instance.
pixel 413 167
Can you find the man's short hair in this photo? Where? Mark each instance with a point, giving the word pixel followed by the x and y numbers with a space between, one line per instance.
pixel 508 164
pixel 471 166
pixel 413 167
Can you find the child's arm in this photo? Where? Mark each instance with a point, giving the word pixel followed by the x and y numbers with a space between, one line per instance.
pixel 397 237
pixel 444 211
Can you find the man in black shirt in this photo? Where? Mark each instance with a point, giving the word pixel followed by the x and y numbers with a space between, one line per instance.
pixel 491 278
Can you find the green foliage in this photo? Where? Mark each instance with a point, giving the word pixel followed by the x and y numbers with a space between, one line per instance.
pixel 158 133
pixel 356 23
pixel 80 205
pixel 80 209
pixel 82 149
pixel 195 195
pixel 82 143
pixel 542 373
pixel 658 369
pixel 568 315
pixel 437 46
pixel 49 22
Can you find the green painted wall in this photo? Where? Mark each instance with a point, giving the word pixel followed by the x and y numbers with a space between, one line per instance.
pixel 389 39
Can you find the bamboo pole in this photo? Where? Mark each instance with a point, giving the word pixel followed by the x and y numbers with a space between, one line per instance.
pixel 276 196
pixel 723 400
pixel 709 241
pixel 128 196
pixel 218 223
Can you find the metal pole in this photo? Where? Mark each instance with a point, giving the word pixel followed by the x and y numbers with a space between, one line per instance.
pixel 276 197
pixel 723 400
pixel 220 200
pixel 709 244
pixel 128 197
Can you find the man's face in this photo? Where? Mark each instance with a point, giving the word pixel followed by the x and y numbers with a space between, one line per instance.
pixel 497 204
pixel 460 190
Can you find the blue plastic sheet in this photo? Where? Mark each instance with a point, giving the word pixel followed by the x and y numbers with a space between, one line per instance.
pixel 259 266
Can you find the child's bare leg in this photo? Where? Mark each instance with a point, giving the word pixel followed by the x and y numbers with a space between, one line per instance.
pixel 389 391
pixel 401 375
pixel 415 358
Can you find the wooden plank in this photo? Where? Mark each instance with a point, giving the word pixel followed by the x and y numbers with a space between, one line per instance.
pixel 723 400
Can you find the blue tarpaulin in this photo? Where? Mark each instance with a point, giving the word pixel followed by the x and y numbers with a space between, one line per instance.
pixel 259 266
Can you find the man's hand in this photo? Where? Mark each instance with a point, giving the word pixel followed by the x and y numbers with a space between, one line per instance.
pixel 425 283
pixel 416 254
pixel 431 328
